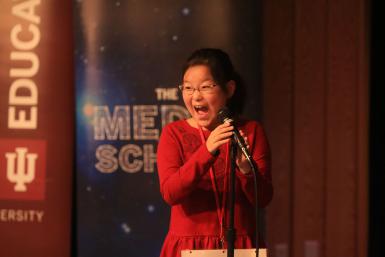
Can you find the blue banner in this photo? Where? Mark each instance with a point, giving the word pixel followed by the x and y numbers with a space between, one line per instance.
pixel 128 65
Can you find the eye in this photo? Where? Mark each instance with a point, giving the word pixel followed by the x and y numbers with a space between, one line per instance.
pixel 206 87
pixel 187 87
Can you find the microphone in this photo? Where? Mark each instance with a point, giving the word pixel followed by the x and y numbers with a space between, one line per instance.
pixel 224 115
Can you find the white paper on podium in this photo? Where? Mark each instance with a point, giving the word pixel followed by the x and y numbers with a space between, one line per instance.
pixel 223 253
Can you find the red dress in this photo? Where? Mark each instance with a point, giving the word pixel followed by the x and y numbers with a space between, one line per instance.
pixel 185 184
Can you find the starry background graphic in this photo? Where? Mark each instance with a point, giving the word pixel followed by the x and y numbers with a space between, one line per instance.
pixel 123 51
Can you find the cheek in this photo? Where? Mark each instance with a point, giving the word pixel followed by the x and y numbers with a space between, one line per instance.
pixel 217 102
pixel 187 101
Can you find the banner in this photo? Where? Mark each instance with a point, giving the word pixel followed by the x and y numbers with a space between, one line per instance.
pixel 129 56
pixel 36 128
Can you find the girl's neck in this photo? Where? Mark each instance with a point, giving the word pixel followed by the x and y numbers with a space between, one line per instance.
pixel 192 122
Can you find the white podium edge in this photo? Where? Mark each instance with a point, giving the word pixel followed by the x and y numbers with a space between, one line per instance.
pixel 223 253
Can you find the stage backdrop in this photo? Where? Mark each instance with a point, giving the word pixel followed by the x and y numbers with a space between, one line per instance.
pixel 128 65
pixel 36 128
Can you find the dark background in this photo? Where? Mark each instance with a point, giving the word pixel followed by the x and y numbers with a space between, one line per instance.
pixel 376 133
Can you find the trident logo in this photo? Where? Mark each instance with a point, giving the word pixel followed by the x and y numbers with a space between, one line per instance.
pixel 20 176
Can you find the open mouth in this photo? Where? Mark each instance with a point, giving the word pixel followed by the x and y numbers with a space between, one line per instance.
pixel 201 110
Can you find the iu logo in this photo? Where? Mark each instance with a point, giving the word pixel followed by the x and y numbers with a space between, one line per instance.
pixel 22 169
pixel 22 174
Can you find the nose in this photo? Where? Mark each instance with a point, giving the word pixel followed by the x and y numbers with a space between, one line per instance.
pixel 196 94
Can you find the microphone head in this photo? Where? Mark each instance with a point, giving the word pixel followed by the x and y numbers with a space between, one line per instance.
pixel 224 115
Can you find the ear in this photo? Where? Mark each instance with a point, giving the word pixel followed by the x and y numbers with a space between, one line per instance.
pixel 230 87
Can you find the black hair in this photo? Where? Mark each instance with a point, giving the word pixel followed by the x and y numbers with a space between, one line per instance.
pixel 222 70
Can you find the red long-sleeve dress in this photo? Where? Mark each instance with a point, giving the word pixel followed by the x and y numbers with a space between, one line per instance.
pixel 186 185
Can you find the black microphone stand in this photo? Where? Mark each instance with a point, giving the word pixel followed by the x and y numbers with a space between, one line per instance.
pixel 231 230
pixel 224 115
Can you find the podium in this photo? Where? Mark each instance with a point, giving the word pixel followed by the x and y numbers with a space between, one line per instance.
pixel 223 253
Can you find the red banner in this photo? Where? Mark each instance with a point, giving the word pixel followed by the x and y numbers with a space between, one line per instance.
pixel 36 128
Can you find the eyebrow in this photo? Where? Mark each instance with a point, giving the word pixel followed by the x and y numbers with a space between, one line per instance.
pixel 210 80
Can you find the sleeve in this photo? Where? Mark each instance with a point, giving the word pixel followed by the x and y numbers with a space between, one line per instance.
pixel 178 178
pixel 262 158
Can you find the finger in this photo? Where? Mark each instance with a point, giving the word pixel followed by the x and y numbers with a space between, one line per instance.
pixel 223 125
pixel 226 124
pixel 221 142
pixel 223 136
pixel 222 132
pixel 225 128
pixel 246 141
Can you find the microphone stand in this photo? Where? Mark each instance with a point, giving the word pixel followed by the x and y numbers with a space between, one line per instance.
pixel 231 230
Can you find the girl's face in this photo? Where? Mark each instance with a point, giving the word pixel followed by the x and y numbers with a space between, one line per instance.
pixel 207 98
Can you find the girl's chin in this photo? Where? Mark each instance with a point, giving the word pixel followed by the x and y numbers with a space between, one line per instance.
pixel 207 124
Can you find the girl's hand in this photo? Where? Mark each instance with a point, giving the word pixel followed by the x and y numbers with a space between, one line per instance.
pixel 241 161
pixel 219 136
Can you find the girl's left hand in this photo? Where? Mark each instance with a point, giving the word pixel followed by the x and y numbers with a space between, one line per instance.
pixel 241 160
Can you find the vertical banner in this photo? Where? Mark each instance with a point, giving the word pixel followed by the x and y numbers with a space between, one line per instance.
pixel 129 56
pixel 36 128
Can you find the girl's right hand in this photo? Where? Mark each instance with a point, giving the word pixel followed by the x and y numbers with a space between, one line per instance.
pixel 219 136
